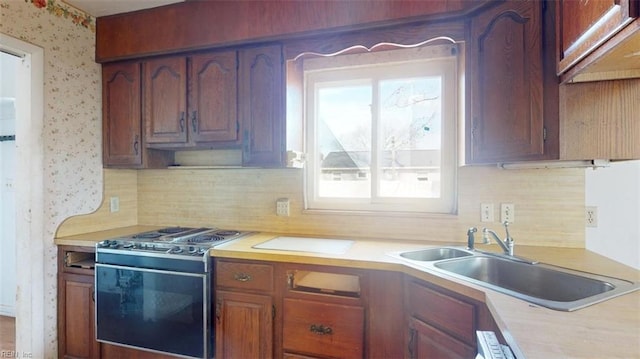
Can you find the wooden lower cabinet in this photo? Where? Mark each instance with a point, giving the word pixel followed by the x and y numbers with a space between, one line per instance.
pixel 244 309
pixel 244 325
pixel 426 341
pixel 301 311
pixel 295 311
pixel 440 325
pixel 76 301
pixel 76 330
pixel 323 329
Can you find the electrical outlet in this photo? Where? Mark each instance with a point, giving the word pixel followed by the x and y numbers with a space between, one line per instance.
pixel 282 207
pixel 486 212
pixel 507 212
pixel 114 204
pixel 591 216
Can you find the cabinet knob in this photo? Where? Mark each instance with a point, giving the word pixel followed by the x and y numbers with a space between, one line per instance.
pixel 242 277
pixel 320 329
pixel 182 121
pixel 194 121
pixel 136 144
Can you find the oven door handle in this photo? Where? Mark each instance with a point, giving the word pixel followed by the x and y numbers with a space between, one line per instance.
pixel 149 270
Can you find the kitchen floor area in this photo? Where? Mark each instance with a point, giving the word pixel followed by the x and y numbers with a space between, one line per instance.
pixel 7 334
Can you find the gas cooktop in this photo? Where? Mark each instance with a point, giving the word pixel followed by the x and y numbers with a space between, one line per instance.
pixel 173 240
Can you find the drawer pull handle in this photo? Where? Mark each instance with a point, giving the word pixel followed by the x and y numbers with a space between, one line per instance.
pixel 320 329
pixel 242 277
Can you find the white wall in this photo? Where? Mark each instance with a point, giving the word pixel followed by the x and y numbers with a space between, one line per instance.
pixel 8 66
pixel 615 191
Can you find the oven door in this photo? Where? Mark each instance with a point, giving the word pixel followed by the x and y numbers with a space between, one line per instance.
pixel 156 310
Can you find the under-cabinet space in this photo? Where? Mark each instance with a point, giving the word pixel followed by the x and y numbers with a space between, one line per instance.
pixel 597 40
pixel 328 283
pixel 600 120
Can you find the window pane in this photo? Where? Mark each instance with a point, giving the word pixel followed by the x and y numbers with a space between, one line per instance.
pixel 410 137
pixel 344 141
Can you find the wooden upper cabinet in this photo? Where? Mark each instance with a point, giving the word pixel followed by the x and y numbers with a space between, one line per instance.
pixel 165 100
pixel 191 101
pixel 509 108
pixel 584 26
pixel 213 97
pixel 207 24
pixel 121 118
pixel 262 106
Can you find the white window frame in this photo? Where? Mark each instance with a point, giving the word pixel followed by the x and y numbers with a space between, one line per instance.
pixel 424 61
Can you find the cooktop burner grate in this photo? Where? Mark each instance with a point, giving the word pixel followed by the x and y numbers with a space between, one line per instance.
pixel 204 238
pixel 173 230
pixel 150 235
pixel 227 233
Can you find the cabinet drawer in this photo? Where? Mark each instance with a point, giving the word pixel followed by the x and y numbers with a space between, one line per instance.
pixel 443 312
pixel 323 329
pixel 240 275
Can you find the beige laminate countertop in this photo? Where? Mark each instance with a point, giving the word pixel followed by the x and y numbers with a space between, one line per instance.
pixel 610 329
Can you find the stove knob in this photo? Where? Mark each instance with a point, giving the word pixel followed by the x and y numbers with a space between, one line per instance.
pixel 193 250
pixel 114 244
pixel 129 245
pixel 104 244
pixel 175 249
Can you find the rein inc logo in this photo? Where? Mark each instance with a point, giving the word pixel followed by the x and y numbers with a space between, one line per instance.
pixel 15 354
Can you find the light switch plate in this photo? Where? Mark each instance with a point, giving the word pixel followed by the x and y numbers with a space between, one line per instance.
pixel 114 204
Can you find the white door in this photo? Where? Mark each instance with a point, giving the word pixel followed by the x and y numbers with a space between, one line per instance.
pixel 9 65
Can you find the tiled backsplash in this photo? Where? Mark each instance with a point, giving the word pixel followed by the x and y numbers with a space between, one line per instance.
pixel 549 204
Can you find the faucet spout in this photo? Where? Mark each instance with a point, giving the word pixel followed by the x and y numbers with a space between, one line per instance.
pixel 506 245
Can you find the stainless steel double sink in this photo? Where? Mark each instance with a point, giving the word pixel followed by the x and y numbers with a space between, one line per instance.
pixel 542 284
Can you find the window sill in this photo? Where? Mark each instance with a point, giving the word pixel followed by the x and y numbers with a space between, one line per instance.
pixel 431 215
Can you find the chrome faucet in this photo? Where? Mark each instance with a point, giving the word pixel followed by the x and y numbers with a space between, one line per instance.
pixel 506 245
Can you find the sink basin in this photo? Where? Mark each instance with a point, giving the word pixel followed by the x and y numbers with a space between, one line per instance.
pixel 435 254
pixel 546 285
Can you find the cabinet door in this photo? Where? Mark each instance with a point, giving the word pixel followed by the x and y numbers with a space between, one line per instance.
pixel 584 25
pixel 507 109
pixel 426 341
pixel 121 115
pixel 77 331
pixel 262 106
pixel 213 97
pixel 244 325
pixel 165 97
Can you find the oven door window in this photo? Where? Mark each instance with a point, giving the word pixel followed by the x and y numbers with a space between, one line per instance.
pixel 150 309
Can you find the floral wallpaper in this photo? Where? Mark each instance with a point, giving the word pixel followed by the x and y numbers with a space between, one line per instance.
pixel 77 17
pixel 71 133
